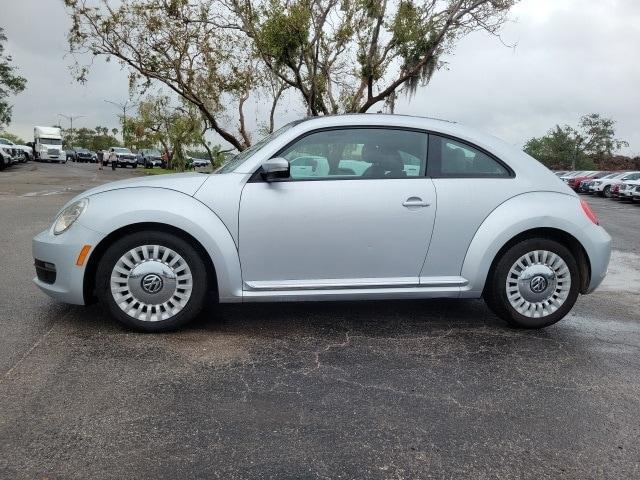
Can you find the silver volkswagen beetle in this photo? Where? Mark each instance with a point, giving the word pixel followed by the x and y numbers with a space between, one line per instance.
pixel 330 208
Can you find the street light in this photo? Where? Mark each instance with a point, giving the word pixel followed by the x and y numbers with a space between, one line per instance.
pixel 124 106
pixel 70 118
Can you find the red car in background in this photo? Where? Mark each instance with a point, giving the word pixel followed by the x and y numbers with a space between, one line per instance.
pixel 574 182
pixel 615 190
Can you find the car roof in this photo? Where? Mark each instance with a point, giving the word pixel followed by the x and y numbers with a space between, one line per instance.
pixel 435 125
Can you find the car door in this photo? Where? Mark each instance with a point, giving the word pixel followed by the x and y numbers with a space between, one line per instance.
pixel 357 220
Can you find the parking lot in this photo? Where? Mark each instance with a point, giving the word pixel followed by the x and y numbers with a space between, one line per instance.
pixel 412 389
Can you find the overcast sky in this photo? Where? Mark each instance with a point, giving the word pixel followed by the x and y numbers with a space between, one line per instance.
pixel 571 57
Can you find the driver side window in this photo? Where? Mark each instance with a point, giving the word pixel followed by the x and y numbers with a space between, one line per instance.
pixel 357 153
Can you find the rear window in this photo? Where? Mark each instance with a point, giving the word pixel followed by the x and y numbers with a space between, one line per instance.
pixel 451 158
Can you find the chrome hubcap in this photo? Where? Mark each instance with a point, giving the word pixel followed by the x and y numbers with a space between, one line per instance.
pixel 151 283
pixel 538 283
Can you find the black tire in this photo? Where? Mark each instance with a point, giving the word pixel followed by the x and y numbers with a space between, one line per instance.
pixel 495 294
pixel 194 260
pixel 607 191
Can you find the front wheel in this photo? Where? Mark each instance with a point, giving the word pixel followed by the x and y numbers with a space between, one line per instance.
pixel 534 284
pixel 152 281
pixel 607 192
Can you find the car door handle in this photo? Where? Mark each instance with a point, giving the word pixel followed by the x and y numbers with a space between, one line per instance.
pixel 415 202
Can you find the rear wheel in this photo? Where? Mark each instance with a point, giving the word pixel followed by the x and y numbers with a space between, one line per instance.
pixel 534 284
pixel 607 191
pixel 152 281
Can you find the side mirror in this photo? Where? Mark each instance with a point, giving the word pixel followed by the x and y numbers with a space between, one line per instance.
pixel 275 168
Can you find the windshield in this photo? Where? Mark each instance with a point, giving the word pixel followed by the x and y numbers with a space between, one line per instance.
pixel 121 150
pixel 239 158
pixel 51 141
pixel 155 153
pixel 5 142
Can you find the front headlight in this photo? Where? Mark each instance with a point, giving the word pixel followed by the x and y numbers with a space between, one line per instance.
pixel 69 215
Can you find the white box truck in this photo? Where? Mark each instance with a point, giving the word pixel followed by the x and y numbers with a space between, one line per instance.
pixel 47 145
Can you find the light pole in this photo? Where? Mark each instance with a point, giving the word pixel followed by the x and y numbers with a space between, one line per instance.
pixel 70 118
pixel 124 106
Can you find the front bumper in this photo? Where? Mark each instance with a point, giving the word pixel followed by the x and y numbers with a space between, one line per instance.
pixel 62 251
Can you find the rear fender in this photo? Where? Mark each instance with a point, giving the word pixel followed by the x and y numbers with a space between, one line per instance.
pixel 513 217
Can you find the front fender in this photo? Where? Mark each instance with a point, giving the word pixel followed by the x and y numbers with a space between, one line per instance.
pixel 517 215
pixel 112 210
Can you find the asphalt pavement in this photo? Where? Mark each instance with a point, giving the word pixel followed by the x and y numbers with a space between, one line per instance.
pixel 392 390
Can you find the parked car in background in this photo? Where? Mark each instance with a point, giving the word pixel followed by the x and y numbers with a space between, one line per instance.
pixel 156 248
pixel 200 162
pixel 603 186
pixel 22 152
pixel 126 158
pixel 574 182
pixel 150 157
pixel 636 194
pixel 7 157
pixel 625 190
pixel 81 155
pixel 568 176
pixel 586 184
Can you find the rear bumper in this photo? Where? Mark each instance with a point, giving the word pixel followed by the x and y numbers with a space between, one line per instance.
pixel 597 244
pixel 60 252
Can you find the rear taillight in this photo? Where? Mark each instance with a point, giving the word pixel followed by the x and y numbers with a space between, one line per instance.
pixel 589 213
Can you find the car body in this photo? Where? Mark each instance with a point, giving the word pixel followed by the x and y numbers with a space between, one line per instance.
pixel 200 162
pixel 126 158
pixel 81 155
pixel 150 157
pixel 603 186
pixel 21 153
pixel 586 184
pixel 580 173
pixel 624 191
pixel 7 156
pixel 635 196
pixel 372 227
pixel 576 181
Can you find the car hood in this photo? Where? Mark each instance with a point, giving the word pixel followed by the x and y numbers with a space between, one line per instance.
pixel 187 183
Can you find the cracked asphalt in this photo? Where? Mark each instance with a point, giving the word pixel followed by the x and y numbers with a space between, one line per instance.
pixel 390 390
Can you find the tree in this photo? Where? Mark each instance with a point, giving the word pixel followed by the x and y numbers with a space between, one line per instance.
pixel 174 128
pixel 10 82
pixel 565 147
pixel 93 139
pixel 14 138
pixel 338 55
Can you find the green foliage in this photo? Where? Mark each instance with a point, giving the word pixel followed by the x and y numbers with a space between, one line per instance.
pixel 284 34
pixel 338 55
pixel 174 129
pixel 10 82
pixel 94 139
pixel 14 138
pixel 565 147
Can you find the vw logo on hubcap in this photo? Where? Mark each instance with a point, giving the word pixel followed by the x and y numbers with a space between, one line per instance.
pixel 151 283
pixel 538 284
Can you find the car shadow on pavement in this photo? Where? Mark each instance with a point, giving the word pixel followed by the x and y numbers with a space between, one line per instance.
pixel 371 318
